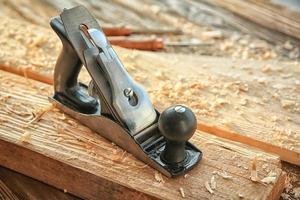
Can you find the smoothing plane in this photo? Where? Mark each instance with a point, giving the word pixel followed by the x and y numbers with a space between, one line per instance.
pixel 113 104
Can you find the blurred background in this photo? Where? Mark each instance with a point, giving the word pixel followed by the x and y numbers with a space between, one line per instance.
pixel 253 29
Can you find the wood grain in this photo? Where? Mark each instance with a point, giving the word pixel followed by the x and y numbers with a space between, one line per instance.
pixel 57 150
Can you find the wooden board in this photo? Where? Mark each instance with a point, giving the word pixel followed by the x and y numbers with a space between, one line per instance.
pixel 226 94
pixel 25 188
pixel 39 141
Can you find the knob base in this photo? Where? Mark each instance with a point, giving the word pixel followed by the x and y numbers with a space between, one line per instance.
pixel 193 156
pixel 174 152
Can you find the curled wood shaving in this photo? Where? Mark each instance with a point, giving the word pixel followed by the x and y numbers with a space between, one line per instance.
pixel 39 113
pixel 182 192
pixel 12 110
pixel 207 186
pixel 158 177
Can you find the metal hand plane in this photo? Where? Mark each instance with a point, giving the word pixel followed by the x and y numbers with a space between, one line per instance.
pixel 114 105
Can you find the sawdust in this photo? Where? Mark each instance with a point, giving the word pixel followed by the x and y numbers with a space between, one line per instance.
pixel 158 177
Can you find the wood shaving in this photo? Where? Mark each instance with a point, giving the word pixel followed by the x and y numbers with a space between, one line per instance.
pixel 244 101
pixel 13 110
pixel 287 103
pixel 182 192
pixel 213 183
pixel 39 113
pixel 62 117
pixel 72 123
pixel 224 175
pixel 59 139
pixel 72 158
pixel 266 68
pixel 25 137
pixel 161 75
pixel 158 177
pixel 241 196
pixel 262 80
pixel 208 35
pixel 207 186
pixel 220 102
pixel 4 98
pixel 254 175
pixel 270 178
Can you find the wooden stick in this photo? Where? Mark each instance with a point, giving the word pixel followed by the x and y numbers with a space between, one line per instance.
pixel 146 44
pixel 124 31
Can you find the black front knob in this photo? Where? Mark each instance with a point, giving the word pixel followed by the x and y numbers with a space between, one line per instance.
pixel 177 124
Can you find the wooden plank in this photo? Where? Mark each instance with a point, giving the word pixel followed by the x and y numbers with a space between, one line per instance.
pixel 226 94
pixel 26 188
pixel 273 16
pixel 39 141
